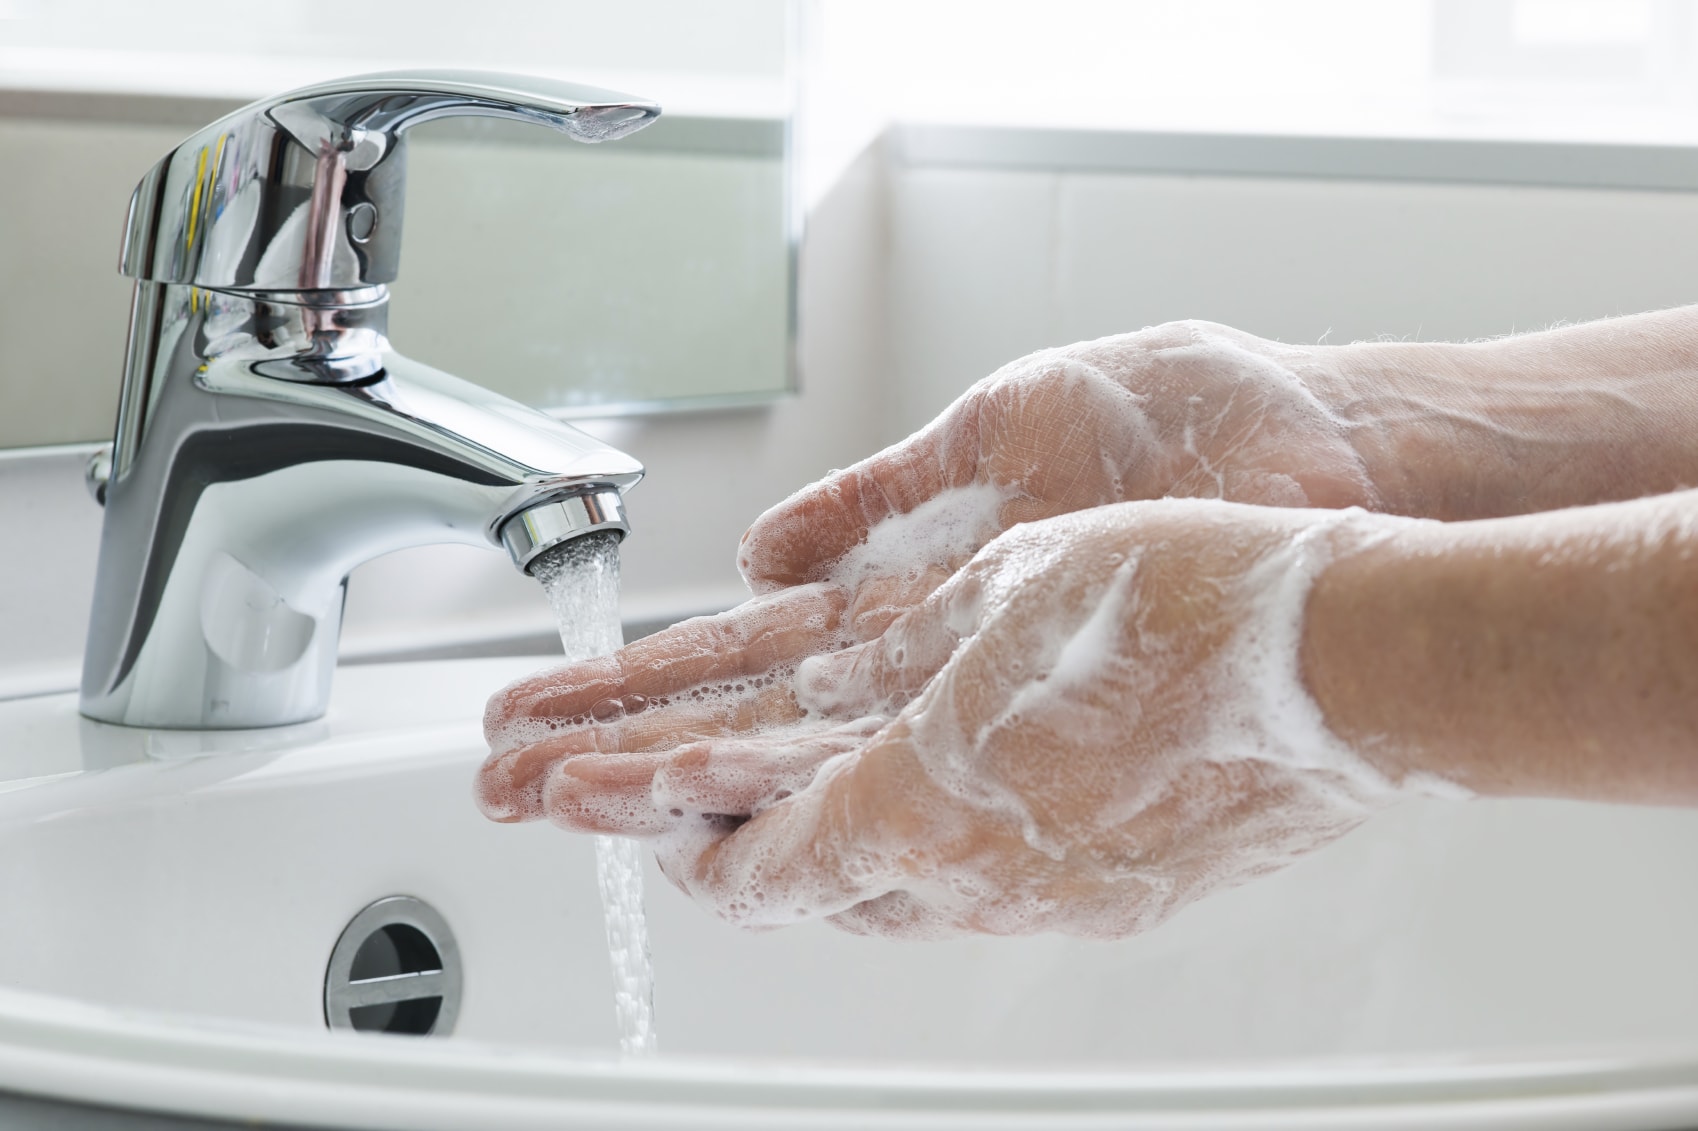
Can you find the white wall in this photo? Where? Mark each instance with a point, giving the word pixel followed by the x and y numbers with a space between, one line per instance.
pixel 989 264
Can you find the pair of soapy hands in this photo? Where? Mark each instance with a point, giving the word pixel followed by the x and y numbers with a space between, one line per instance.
pixel 1014 674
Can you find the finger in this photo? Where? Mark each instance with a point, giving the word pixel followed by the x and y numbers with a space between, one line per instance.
pixel 883 675
pixel 744 643
pixel 799 539
pixel 816 854
pixel 1064 436
pixel 510 784
pixel 742 777
pixel 878 601
pixel 606 793
pixel 897 915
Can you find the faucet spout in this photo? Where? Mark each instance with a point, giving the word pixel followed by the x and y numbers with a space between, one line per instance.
pixel 268 443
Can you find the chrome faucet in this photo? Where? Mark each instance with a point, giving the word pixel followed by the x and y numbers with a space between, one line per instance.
pixel 269 440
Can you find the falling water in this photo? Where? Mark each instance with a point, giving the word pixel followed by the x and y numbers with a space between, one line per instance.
pixel 581 578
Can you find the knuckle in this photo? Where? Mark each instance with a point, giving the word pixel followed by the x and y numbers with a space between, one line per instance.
pixel 1191 329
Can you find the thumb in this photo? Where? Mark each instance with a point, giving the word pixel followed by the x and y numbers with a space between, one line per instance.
pixel 824 850
pixel 800 539
pixel 880 676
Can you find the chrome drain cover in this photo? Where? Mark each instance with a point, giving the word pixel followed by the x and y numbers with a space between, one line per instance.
pixel 396 969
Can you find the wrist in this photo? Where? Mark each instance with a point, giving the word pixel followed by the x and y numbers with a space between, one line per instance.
pixel 1585 414
pixel 1548 655
pixel 1349 607
pixel 1298 712
pixel 1429 441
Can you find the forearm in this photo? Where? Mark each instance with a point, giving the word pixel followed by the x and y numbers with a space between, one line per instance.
pixel 1549 655
pixel 1584 414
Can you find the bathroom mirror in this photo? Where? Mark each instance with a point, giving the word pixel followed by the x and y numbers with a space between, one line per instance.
pixel 650 273
pixel 655 273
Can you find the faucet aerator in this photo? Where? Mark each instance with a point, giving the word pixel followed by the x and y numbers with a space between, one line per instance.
pixel 545 525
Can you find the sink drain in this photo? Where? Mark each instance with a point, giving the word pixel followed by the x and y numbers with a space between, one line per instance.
pixel 394 970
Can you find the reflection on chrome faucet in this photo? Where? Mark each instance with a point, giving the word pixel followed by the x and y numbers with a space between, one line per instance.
pixel 269 440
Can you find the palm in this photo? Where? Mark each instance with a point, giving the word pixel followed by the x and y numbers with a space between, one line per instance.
pixel 1186 410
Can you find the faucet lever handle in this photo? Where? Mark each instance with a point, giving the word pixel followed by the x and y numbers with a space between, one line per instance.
pixel 305 190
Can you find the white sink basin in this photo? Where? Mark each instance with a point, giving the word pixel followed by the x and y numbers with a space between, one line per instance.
pixel 172 901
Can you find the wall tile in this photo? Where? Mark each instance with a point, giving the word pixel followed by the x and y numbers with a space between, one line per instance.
pixel 970 280
pixel 1303 259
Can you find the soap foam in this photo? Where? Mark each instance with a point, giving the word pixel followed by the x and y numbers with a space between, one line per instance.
pixel 944 530
pixel 1273 715
pixel 1260 781
pixel 902 545
pixel 1189 410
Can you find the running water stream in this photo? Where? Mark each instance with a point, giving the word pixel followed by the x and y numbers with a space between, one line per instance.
pixel 581 578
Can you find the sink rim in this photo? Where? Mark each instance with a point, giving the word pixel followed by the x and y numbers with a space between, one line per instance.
pixel 370 720
pixel 59 1048
pixel 77 1051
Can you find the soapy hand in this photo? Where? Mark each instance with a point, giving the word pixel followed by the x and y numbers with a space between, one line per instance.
pixel 922 727
pixel 1186 409
pixel 1095 721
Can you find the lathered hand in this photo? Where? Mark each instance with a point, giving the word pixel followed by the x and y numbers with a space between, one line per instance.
pixel 1094 722
pixel 1098 717
pixel 1552 419
pixel 1187 409
pixel 1568 417
pixel 1184 409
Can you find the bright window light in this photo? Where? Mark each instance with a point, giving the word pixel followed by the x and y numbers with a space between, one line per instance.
pixel 1562 69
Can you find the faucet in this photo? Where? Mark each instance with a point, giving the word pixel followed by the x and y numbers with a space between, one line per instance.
pixel 268 438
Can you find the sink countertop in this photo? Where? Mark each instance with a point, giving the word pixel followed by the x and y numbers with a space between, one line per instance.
pixel 43 738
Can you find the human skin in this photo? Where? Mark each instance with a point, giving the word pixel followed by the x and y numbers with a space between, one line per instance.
pixel 1592 413
pixel 1549 655
pixel 1424 652
pixel 977 790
